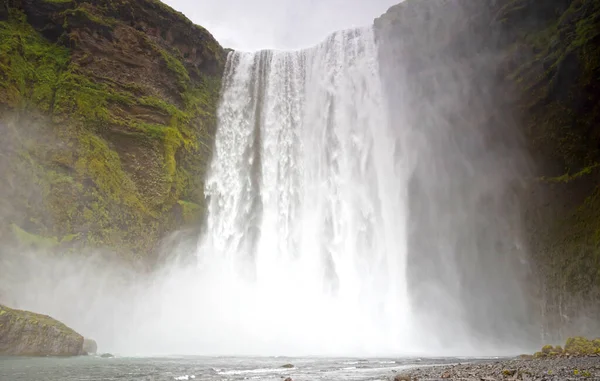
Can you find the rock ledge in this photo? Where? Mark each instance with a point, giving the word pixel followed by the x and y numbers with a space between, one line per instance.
pixel 24 333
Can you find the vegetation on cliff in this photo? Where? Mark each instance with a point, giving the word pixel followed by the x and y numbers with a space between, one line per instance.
pixel 24 333
pixel 555 64
pixel 108 111
pixel 575 346
pixel 540 63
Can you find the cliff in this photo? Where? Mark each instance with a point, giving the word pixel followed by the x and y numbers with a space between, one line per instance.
pixel 523 78
pixel 108 113
pixel 24 333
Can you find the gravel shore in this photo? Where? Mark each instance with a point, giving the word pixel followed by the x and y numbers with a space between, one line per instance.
pixel 548 369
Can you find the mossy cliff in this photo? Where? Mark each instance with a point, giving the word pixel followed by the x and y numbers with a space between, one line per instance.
pixel 530 87
pixel 24 333
pixel 108 114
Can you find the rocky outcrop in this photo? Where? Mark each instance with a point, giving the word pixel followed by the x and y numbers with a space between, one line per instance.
pixel 90 346
pixel 108 113
pixel 527 74
pixel 24 333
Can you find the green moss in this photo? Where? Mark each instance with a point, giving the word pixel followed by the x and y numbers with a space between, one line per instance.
pixel 176 67
pixel 559 83
pixel 191 211
pixel 34 240
pixel 582 346
pixel 547 349
pixel 566 178
pixel 33 318
pixel 91 191
pixel 86 12
pixel 509 372
pixel 80 97
pixel 558 349
pixel 30 65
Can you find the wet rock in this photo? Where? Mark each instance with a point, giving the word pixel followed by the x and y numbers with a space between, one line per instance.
pixel 107 356
pixel 90 347
pixel 287 366
pixel 24 333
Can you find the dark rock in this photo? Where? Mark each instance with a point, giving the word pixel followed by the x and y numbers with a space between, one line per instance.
pixel 287 366
pixel 107 356
pixel 539 63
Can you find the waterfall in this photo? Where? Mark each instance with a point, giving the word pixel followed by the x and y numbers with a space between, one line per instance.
pixel 354 209
pixel 307 201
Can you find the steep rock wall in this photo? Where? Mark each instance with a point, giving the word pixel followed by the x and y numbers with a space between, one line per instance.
pixel 108 113
pixel 528 75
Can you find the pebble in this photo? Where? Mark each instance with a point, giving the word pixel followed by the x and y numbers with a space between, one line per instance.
pixel 519 369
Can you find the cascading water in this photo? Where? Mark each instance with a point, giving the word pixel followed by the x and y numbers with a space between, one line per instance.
pixel 306 220
pixel 354 209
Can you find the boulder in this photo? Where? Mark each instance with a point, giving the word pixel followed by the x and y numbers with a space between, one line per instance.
pixel 24 333
pixel 90 347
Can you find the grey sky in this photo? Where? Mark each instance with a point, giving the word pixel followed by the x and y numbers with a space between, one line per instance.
pixel 278 24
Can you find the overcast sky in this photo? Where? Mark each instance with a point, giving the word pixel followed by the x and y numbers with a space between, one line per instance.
pixel 278 24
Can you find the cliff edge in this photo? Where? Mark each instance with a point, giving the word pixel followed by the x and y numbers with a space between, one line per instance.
pixel 108 115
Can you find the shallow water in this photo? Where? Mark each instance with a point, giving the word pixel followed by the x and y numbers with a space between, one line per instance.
pixel 205 368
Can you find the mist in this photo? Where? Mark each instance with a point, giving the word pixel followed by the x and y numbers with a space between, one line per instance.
pixel 354 207
pixel 283 25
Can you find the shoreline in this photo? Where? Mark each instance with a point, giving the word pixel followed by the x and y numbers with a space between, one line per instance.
pixel 526 369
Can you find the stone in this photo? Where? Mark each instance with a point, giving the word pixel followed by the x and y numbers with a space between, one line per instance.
pixel 287 366
pixel 90 347
pixel 24 333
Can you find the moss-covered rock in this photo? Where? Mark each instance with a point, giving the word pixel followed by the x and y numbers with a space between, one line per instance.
pixel 24 333
pixel 108 114
pixel 575 346
pixel 582 346
pixel 556 68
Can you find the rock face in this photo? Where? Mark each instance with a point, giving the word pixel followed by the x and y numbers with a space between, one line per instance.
pixel 25 333
pixel 108 113
pixel 90 347
pixel 528 71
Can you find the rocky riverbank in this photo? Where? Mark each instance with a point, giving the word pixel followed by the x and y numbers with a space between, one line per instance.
pixel 24 333
pixel 580 359
pixel 548 369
